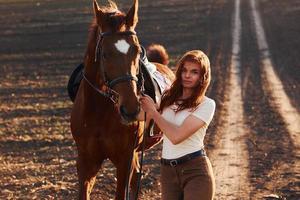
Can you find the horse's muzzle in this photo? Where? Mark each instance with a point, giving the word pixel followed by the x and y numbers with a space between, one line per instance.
pixel 127 116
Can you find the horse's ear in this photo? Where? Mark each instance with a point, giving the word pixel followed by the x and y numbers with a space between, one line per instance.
pixel 132 15
pixel 98 13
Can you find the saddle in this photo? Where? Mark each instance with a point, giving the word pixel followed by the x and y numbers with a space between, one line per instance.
pixel 152 87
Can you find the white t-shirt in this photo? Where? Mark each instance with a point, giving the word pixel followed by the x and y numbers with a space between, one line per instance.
pixel 204 111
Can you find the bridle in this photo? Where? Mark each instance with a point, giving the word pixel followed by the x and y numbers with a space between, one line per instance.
pixel 109 84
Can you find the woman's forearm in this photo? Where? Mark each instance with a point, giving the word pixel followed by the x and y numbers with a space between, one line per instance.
pixel 177 134
pixel 167 128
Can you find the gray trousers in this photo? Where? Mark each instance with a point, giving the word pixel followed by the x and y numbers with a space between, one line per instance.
pixel 192 180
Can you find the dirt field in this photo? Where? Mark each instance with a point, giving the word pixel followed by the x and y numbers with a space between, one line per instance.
pixel 42 42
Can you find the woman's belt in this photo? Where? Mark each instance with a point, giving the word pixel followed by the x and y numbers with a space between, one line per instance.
pixel 183 159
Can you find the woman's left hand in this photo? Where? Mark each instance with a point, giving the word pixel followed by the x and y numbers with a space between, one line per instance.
pixel 148 105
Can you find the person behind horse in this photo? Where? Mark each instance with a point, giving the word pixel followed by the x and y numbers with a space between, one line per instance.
pixel 183 116
pixel 157 53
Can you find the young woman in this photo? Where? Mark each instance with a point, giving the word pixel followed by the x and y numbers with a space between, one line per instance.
pixel 183 116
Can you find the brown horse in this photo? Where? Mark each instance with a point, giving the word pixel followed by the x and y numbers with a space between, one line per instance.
pixel 104 121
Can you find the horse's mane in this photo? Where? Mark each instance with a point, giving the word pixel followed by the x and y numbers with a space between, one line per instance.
pixel 115 19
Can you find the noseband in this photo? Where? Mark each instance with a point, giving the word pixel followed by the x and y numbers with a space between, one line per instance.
pixel 109 92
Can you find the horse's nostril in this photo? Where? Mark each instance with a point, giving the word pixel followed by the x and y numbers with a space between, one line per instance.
pixel 122 110
pixel 127 115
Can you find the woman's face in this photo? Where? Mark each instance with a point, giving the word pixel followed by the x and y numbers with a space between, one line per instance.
pixel 190 74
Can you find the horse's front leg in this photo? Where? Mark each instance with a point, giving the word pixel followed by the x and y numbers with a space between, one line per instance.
pixel 87 169
pixel 123 173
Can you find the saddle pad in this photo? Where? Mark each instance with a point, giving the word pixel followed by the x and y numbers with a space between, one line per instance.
pixel 74 81
pixel 162 81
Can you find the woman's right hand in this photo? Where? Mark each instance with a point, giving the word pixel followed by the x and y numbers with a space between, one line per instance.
pixel 148 105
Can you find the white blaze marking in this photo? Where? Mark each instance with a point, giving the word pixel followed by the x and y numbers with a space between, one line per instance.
pixel 122 46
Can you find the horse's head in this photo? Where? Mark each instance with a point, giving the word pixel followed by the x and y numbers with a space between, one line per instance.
pixel 117 53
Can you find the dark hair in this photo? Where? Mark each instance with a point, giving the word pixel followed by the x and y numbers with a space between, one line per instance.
pixel 157 53
pixel 172 95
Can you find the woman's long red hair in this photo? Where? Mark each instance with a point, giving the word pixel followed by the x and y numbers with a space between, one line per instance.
pixel 173 95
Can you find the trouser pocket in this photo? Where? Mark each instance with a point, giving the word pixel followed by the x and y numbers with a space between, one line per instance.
pixel 192 170
pixel 197 166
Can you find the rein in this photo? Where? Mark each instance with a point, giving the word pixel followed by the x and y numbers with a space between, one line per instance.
pixel 140 173
pixel 109 93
